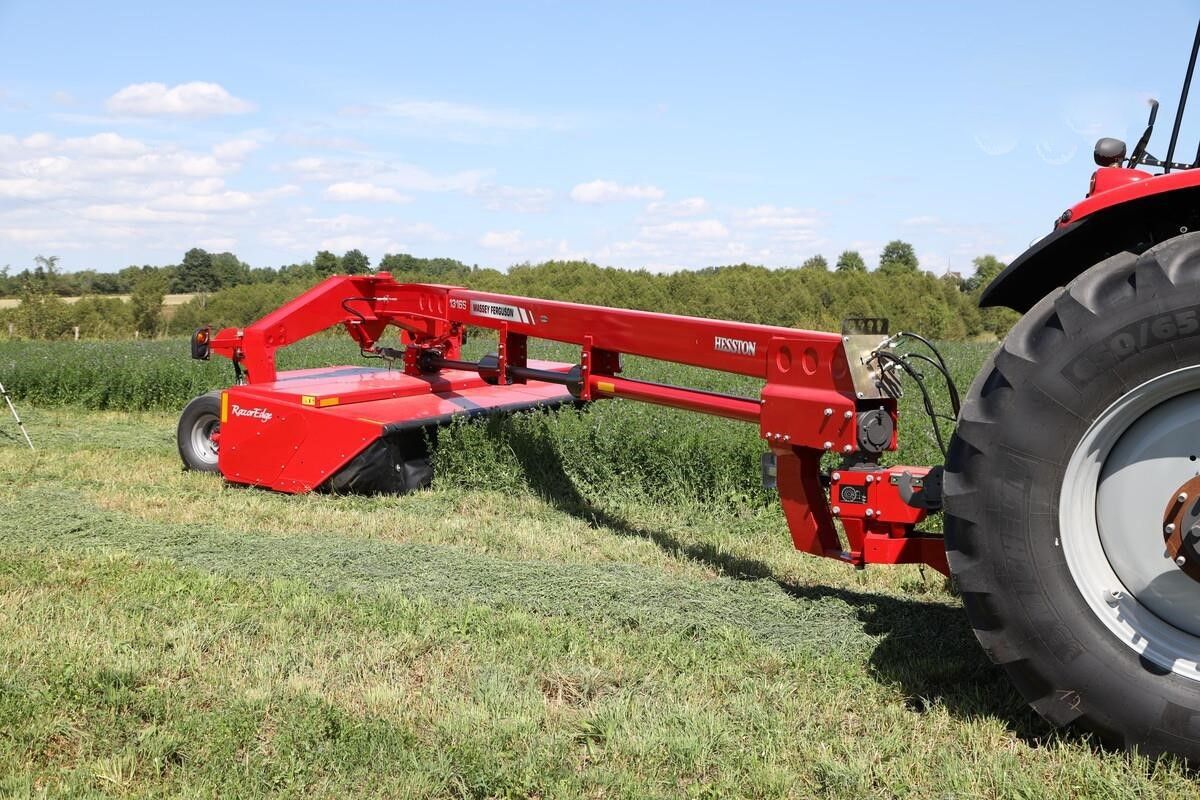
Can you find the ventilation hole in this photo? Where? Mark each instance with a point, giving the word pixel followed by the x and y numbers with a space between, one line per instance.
pixel 1132 280
pixel 1054 322
pixel 1191 458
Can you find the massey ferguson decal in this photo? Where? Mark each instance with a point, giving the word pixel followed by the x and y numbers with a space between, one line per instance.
pixel 483 308
pixel 739 347
pixel 253 413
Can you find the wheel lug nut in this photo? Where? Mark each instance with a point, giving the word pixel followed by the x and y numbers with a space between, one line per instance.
pixel 1181 497
pixel 1115 596
pixel 1180 561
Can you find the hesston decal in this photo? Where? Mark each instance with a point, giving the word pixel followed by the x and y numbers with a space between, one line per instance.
pixel 739 347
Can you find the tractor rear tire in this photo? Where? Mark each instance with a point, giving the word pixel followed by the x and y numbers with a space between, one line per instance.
pixel 1076 435
pixel 201 418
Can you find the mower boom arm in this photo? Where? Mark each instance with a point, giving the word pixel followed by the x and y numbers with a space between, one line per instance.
pixel 822 392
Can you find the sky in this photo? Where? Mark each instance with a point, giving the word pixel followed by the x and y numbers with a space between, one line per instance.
pixel 642 135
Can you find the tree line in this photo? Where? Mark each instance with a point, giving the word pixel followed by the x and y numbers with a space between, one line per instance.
pixel 230 292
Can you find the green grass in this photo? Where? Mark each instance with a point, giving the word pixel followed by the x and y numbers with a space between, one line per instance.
pixel 598 604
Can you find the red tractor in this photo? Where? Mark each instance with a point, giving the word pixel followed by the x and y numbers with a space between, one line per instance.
pixel 1071 487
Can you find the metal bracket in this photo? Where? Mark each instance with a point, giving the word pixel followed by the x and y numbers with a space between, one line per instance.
pixel 925 494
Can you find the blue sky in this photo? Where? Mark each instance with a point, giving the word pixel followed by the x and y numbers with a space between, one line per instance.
pixel 657 135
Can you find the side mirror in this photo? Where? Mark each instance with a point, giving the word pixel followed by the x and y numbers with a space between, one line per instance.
pixel 1109 152
pixel 200 343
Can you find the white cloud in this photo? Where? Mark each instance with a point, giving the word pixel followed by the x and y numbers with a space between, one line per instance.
pixel 925 219
pixel 697 229
pixel 440 112
pixel 501 240
pixel 360 191
pixel 398 175
pixel 235 149
pixel 775 217
pixel 602 191
pixel 373 235
pixel 219 244
pixel 521 199
pixel 122 212
pixel 687 207
pixel 38 141
pixel 105 145
pixel 195 99
pixel 107 190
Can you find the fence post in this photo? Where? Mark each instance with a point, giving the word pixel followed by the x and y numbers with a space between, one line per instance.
pixel 77 333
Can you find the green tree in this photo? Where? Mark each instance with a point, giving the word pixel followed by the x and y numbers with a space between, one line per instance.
pixel 851 261
pixel 898 258
pixel 986 269
pixel 46 277
pixel 816 262
pixel 196 273
pixel 995 321
pixel 41 314
pixel 326 263
pixel 102 317
pixel 146 303
pixel 230 270
pixel 355 263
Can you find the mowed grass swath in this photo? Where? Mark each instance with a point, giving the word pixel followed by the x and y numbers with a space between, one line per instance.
pixel 632 624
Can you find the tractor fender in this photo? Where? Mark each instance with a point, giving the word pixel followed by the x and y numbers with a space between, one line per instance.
pixel 1130 222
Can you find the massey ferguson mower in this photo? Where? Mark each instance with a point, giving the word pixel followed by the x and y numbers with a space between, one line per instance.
pixel 1071 489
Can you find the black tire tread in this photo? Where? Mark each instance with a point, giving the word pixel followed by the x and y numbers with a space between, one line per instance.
pixel 984 432
pixel 207 401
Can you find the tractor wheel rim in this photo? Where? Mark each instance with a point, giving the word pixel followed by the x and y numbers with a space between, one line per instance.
pixel 204 447
pixel 1118 480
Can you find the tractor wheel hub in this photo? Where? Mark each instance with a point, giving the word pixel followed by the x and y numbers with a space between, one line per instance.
pixel 1181 527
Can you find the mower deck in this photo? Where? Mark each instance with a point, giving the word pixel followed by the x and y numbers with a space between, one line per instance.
pixel 308 428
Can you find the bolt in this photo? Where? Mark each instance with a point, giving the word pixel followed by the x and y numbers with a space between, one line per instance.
pixel 1114 596
pixel 848 415
pixel 836 510
pixel 870 479
pixel 837 476
pixel 829 412
pixel 787 438
pixel 870 513
pixel 1169 527
pixel 1180 561
pixel 847 449
pixel 828 445
pixel 1181 498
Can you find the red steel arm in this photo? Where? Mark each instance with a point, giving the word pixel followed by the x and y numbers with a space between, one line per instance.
pixel 351 300
pixel 817 385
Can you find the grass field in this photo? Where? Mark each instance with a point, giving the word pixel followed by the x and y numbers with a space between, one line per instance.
pixel 586 604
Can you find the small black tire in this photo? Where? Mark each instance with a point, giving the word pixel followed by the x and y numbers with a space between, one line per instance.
pixel 201 418
pixel 1129 322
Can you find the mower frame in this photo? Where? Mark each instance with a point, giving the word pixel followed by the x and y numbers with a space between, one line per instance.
pixel 823 393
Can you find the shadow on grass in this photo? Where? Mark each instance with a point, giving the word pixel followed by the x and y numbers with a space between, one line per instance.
pixel 925 648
